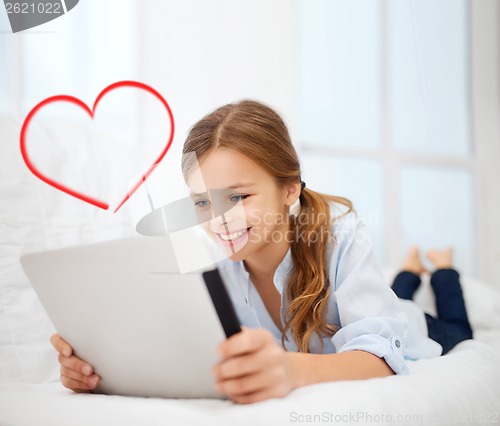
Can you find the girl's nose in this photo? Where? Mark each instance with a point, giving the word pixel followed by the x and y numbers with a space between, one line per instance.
pixel 219 222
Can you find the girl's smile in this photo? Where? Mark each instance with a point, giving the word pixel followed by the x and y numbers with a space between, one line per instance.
pixel 232 241
pixel 234 237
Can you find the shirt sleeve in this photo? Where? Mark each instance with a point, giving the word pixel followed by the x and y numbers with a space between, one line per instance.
pixel 370 317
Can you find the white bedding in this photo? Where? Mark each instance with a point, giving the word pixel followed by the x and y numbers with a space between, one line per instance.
pixel 462 387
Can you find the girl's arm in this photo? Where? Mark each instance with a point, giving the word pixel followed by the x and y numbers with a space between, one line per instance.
pixel 254 367
pixel 308 369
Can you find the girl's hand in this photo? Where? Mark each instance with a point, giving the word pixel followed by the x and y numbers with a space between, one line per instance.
pixel 253 367
pixel 76 374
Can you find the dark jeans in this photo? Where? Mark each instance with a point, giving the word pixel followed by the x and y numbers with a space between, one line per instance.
pixel 451 325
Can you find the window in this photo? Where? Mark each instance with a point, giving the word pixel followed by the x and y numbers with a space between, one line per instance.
pixel 339 71
pixel 384 118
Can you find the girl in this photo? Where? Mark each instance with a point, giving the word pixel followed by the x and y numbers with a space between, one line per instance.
pixel 312 300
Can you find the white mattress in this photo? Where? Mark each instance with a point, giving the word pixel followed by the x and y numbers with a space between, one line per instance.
pixel 460 387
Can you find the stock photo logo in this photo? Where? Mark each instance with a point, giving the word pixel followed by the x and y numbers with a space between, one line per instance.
pixel 32 13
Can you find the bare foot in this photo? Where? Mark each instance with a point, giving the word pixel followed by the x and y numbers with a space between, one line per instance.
pixel 442 259
pixel 412 262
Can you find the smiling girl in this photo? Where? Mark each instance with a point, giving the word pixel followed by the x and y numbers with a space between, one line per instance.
pixel 305 284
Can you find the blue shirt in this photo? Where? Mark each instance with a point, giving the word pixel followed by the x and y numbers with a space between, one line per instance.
pixel 368 312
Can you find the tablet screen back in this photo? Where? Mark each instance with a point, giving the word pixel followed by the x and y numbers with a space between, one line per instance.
pixel 147 329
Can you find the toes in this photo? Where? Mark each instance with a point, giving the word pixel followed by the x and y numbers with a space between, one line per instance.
pixel 441 258
pixel 413 252
pixel 413 263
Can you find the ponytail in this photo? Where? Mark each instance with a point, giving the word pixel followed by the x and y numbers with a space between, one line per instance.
pixel 309 285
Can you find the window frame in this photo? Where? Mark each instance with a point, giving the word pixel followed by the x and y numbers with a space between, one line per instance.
pixel 482 162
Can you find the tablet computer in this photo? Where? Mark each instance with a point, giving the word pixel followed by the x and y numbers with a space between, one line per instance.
pixel 124 307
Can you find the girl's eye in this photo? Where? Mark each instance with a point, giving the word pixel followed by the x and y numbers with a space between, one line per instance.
pixel 238 197
pixel 201 204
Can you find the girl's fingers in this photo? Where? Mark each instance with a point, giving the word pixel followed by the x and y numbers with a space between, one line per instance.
pixel 74 363
pixel 240 366
pixel 74 385
pixel 91 381
pixel 248 384
pixel 256 368
pixel 259 395
pixel 248 340
pixel 60 345
pixel 73 374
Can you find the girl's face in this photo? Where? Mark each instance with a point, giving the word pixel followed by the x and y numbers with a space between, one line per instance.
pixel 242 207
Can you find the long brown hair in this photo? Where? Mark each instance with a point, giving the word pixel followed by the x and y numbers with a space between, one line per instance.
pixel 259 133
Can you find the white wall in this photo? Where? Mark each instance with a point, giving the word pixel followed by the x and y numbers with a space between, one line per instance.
pixel 485 69
pixel 203 54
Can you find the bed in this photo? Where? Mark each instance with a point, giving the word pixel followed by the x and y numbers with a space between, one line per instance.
pixel 462 387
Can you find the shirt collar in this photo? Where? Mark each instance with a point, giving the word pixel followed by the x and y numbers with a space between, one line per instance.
pixel 280 275
pixel 282 271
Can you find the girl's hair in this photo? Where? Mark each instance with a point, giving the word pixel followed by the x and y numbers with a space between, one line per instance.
pixel 260 134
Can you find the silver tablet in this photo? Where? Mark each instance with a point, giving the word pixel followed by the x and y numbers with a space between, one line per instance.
pixel 147 329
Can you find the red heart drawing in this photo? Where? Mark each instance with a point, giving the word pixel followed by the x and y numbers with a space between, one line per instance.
pixel 91 112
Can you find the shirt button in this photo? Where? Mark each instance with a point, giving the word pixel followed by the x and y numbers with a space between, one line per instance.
pixel 397 343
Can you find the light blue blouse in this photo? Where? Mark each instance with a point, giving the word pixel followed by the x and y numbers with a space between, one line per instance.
pixel 361 302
